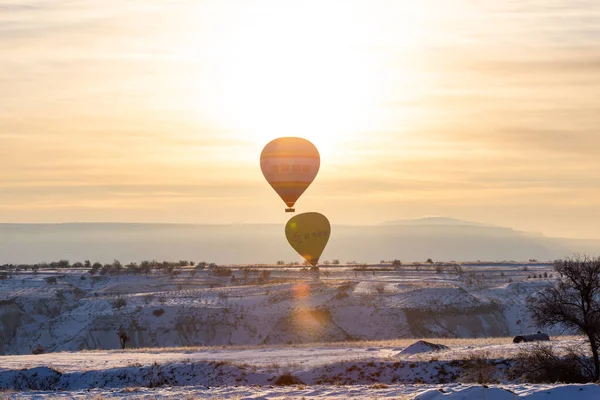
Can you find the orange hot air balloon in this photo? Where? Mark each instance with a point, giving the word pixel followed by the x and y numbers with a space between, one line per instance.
pixel 290 164
pixel 308 234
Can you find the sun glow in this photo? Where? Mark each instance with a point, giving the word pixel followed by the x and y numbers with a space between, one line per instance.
pixel 305 70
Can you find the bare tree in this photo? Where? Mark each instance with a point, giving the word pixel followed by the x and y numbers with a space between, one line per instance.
pixel 123 337
pixel 119 303
pixel 574 302
pixel 458 269
pixel 265 276
pixel 51 280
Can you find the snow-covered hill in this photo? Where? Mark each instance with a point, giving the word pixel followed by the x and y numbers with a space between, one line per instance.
pixel 340 304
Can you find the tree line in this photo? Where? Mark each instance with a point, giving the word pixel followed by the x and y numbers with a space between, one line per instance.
pixel 115 268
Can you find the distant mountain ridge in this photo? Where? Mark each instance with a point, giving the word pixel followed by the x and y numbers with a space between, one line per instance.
pixel 442 239
pixel 436 221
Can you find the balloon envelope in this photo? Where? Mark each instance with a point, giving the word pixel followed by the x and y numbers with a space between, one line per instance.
pixel 290 164
pixel 308 234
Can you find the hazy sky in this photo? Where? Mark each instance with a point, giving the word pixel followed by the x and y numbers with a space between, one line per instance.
pixel 157 110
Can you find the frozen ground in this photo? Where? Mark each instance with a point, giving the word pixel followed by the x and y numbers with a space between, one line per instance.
pixel 279 358
pixel 398 392
pixel 341 333
pixel 263 306
pixel 346 365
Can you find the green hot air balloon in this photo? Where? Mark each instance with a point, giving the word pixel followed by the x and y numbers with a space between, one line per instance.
pixel 308 234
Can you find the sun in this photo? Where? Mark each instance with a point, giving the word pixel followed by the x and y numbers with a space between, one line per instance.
pixel 301 71
pixel 256 71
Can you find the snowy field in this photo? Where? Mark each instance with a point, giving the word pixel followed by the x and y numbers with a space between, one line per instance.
pixel 271 332
pixel 379 370
pixel 280 358
pixel 397 392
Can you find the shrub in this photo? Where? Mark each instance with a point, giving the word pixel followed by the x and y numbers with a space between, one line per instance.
pixel 288 379
pixel 343 289
pixel 119 303
pixel 51 280
pixel 540 364
pixel 378 386
pixel 221 271
pixel 379 287
pixel 158 312
pixel 478 368
pixel 264 276
pixel 60 296
pixel 147 299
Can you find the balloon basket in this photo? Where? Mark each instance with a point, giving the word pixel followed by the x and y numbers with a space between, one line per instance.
pixel 290 210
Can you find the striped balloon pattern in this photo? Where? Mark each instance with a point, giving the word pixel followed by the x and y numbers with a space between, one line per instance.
pixel 290 164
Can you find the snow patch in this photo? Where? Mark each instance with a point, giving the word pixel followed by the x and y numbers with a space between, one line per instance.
pixel 423 347
pixel 579 392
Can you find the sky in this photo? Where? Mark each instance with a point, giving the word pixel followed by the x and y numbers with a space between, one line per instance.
pixel 157 110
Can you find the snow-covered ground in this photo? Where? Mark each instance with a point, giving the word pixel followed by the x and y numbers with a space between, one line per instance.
pixel 340 304
pixel 335 371
pixel 341 333
pixel 397 392
pixel 280 358
pixel 262 365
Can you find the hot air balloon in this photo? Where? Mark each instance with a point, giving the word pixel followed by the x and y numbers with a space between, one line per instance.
pixel 290 164
pixel 308 234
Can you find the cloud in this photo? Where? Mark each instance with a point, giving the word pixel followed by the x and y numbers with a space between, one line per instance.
pixel 106 106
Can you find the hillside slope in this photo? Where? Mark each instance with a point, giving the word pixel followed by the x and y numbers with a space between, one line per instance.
pixel 298 307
